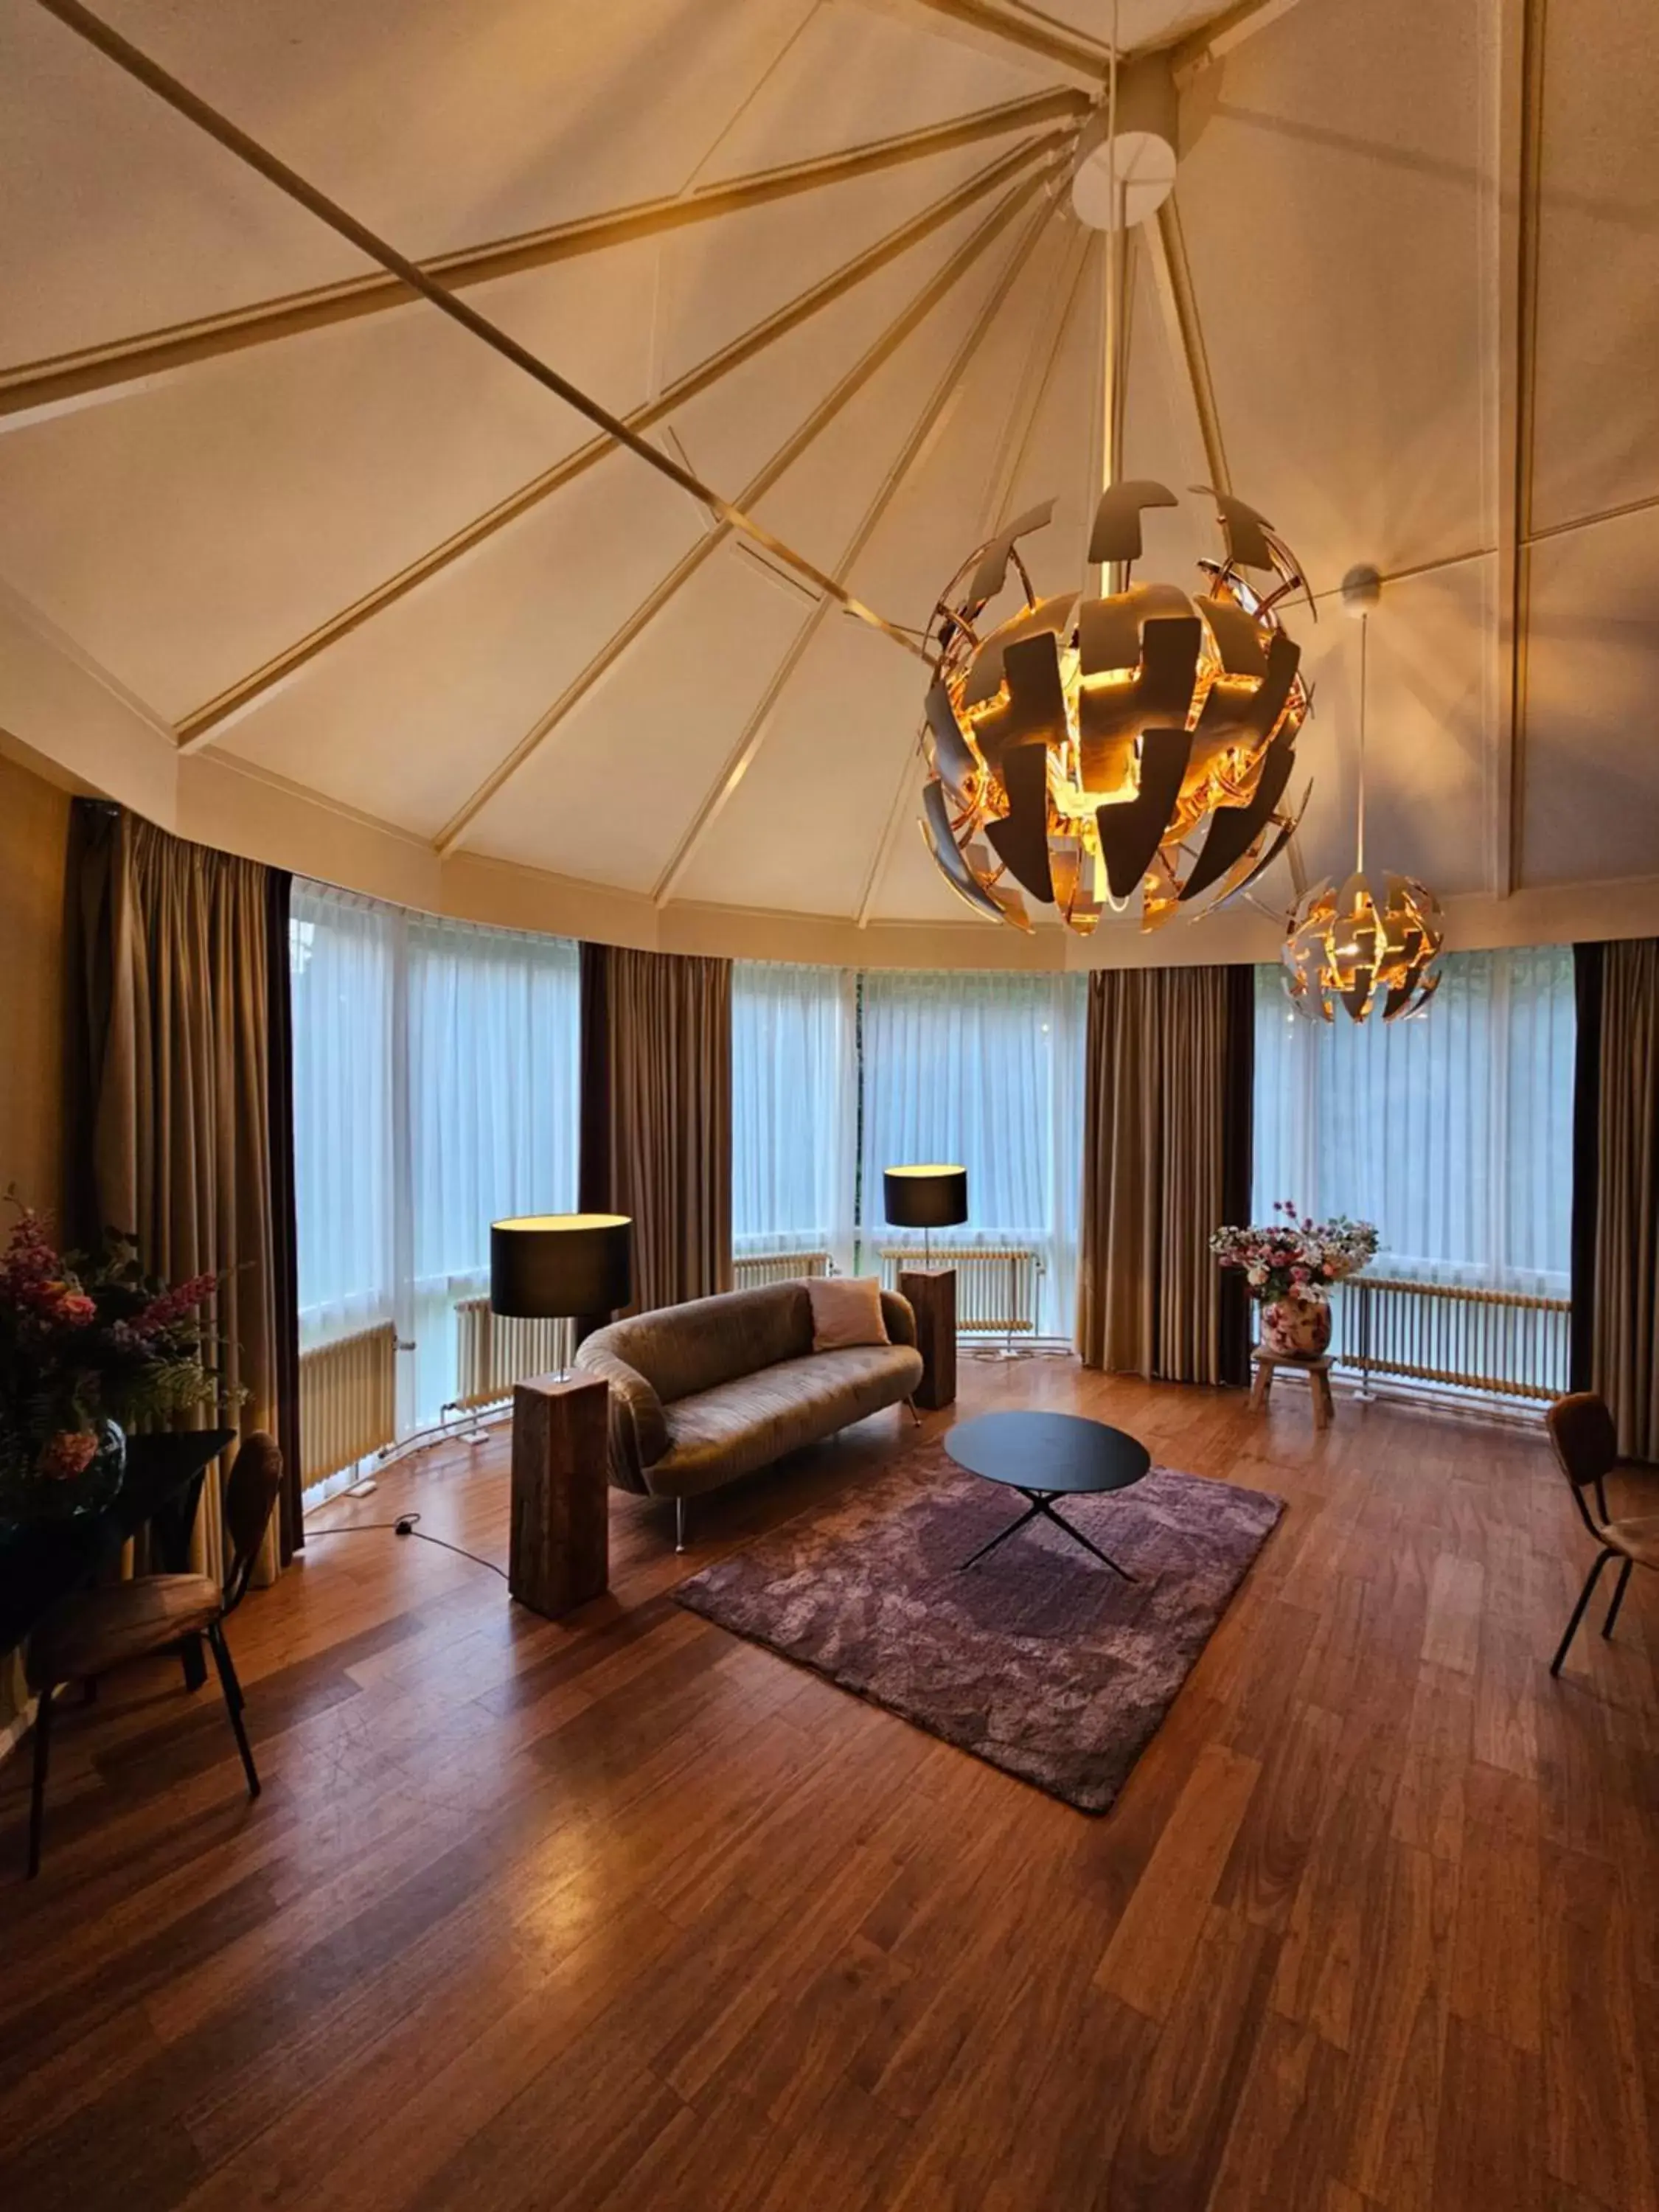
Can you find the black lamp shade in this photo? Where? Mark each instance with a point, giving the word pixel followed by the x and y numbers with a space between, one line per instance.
pixel 925 1197
pixel 555 1267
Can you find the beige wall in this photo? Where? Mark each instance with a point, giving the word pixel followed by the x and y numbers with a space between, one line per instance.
pixel 34 831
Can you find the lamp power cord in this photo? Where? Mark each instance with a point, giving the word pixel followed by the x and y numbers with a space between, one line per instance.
pixel 407 1524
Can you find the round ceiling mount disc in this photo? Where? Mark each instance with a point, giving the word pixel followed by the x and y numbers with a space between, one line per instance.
pixel 1136 172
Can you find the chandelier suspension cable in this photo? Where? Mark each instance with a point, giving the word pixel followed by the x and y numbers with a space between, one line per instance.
pixel 1359 818
pixel 1116 261
pixel 139 64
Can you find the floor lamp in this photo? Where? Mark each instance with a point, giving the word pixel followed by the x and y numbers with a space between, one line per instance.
pixel 560 1267
pixel 929 1198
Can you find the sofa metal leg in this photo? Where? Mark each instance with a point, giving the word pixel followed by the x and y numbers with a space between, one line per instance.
pixel 679 1524
pixel 914 1415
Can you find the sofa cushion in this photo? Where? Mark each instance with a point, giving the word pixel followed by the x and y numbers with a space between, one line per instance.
pixel 716 1435
pixel 846 1311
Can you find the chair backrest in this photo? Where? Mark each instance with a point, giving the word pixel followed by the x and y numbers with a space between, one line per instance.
pixel 255 1481
pixel 1586 1443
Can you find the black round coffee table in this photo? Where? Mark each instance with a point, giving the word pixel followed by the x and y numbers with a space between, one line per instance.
pixel 1045 1456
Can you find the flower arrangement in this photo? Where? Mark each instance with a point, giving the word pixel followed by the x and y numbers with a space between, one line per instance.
pixel 1295 1257
pixel 89 1345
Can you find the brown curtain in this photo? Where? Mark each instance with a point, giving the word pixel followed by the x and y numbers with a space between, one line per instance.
pixel 175 1132
pixel 1166 1149
pixel 1624 1159
pixel 656 1115
pixel 284 1218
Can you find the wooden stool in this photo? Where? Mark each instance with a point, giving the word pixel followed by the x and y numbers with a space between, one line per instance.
pixel 1318 1372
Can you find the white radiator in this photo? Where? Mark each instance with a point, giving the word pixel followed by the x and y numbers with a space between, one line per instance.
pixel 996 1289
pixel 756 1268
pixel 492 1353
pixel 348 1400
pixel 1501 1343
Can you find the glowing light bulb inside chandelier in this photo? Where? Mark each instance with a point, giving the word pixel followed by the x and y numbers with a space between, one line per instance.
pixel 1082 750
pixel 1372 946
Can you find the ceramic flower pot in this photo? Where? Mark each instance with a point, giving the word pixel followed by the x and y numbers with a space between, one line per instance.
pixel 1296 1328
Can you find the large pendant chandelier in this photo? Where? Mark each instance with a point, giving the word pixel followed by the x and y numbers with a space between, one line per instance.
pixel 1372 945
pixel 1079 750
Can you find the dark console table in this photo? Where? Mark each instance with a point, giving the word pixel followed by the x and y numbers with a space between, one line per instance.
pixel 160 1489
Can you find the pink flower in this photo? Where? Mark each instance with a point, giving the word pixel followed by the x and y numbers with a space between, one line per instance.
pixel 173 1305
pixel 66 1454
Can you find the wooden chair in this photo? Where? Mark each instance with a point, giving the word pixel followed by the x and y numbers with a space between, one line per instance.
pixel 96 1629
pixel 1586 1443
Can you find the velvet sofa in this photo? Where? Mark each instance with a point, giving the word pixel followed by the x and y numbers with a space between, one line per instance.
pixel 703 1393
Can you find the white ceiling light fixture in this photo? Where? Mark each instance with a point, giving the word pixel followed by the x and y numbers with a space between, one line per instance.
pixel 1126 159
pixel 1372 946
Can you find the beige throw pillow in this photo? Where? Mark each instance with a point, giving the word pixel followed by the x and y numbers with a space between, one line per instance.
pixel 846 1311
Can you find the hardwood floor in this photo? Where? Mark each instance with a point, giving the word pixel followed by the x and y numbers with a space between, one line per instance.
pixel 624 1913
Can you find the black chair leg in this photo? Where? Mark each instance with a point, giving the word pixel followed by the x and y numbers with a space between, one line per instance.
pixel 190 1651
pixel 232 1690
pixel 1584 1596
pixel 38 1794
pixel 1618 1597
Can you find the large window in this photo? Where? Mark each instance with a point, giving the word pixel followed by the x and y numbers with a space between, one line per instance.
pixel 435 1088
pixel 986 1071
pixel 794 1102
pixel 345 957
pixel 1452 1133
pixel 835 1077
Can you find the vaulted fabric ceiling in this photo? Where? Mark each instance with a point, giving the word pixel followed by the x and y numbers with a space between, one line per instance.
pixel 306 536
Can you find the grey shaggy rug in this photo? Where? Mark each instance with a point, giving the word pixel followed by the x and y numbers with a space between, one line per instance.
pixel 1038 1660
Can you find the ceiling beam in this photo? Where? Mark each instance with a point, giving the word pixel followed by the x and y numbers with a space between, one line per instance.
pixel 1048 335
pixel 1511 193
pixel 1172 281
pixel 611 652
pixel 138 65
pixel 917 446
pixel 204 723
pixel 31 391
pixel 1202 48
pixel 1048 332
pixel 1027 34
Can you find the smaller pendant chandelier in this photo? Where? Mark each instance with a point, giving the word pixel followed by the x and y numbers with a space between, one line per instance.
pixel 1373 944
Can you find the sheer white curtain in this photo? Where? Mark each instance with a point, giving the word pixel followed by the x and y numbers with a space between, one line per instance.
pixel 794 1102
pixel 344 957
pixel 493 1051
pixel 1452 1131
pixel 435 1088
pixel 986 1070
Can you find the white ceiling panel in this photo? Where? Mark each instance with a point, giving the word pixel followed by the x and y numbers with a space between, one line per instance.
pixel 854 75
pixel 1428 754
pixel 188 532
pixel 1330 198
pixel 408 715
pixel 1591 755
pixel 443 125
pixel 1597 332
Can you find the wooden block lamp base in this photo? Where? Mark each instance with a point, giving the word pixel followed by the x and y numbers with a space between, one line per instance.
pixel 931 1292
pixel 559 1549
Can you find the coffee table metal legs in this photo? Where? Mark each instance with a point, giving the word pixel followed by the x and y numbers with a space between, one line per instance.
pixel 1041 1503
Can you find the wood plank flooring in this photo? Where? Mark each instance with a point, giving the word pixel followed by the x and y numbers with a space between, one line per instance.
pixel 622 1912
